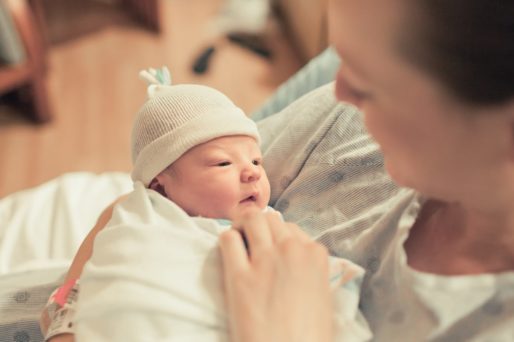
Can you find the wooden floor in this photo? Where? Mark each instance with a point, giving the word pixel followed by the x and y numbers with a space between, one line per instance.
pixel 94 59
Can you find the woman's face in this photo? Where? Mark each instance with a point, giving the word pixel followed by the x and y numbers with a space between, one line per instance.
pixel 431 142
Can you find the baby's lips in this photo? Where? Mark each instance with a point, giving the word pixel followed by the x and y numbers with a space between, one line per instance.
pixel 252 197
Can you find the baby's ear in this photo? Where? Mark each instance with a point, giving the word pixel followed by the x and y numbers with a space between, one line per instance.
pixel 156 186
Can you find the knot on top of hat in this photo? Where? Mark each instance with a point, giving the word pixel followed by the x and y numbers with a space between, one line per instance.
pixel 157 79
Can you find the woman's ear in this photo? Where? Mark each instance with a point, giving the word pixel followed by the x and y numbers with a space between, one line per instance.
pixel 157 186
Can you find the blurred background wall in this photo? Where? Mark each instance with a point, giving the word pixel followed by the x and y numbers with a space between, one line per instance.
pixel 68 98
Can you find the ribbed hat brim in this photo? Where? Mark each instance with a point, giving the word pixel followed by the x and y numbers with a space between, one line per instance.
pixel 162 152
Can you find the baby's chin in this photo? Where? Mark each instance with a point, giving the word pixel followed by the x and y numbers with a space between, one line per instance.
pixel 244 207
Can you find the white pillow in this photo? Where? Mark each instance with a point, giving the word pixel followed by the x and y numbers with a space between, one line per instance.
pixel 43 226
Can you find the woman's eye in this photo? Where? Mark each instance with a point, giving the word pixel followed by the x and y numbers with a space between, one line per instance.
pixel 347 92
pixel 225 163
pixel 358 94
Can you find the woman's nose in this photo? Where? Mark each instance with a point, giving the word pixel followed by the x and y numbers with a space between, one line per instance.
pixel 251 174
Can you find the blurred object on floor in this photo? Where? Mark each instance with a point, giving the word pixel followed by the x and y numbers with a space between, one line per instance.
pixel 201 63
pixel 242 22
pixel 242 16
pixel 27 77
pixel 253 43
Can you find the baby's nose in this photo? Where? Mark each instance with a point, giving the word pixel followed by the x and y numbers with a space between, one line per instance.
pixel 251 174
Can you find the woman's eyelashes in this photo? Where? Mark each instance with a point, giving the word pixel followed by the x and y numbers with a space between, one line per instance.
pixel 345 91
pixel 357 94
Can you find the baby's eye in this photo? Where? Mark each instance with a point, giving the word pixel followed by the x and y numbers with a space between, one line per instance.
pixel 223 163
pixel 256 162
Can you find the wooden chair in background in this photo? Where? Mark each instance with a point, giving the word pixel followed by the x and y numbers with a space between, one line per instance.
pixel 29 75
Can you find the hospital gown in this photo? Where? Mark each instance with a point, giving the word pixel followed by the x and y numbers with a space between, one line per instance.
pixel 403 304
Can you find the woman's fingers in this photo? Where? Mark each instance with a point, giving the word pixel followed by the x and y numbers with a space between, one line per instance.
pixel 263 230
pixel 254 225
pixel 285 276
pixel 298 232
pixel 278 228
pixel 233 251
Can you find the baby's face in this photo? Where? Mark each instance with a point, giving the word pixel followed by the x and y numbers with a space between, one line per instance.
pixel 219 178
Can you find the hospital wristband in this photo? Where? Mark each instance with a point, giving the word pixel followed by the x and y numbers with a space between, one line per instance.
pixel 61 309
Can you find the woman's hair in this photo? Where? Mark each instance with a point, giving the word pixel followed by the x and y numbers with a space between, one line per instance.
pixel 468 45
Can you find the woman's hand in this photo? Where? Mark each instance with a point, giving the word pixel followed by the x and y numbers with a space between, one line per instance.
pixel 279 289
pixel 63 338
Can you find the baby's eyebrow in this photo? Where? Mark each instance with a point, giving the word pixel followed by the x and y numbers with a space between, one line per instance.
pixel 215 152
pixel 214 149
pixel 215 156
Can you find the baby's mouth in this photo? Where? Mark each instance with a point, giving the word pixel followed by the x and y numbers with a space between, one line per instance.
pixel 249 199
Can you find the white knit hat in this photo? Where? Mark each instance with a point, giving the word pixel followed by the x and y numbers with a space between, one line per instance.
pixel 176 118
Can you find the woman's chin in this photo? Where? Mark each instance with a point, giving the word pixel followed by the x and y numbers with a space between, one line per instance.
pixel 428 189
pixel 401 177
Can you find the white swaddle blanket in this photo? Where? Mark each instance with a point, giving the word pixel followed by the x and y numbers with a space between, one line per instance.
pixel 155 275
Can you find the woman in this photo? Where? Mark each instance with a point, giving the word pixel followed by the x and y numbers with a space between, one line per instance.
pixel 434 80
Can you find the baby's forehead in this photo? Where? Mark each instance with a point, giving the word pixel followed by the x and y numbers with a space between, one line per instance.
pixel 228 143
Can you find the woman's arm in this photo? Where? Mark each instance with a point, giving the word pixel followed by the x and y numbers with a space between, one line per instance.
pixel 278 289
pixel 83 254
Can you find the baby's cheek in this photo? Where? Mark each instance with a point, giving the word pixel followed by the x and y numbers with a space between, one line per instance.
pixel 225 202
pixel 267 192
